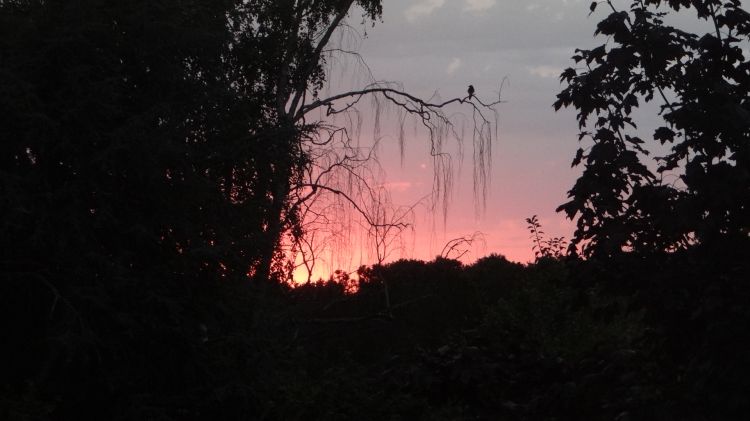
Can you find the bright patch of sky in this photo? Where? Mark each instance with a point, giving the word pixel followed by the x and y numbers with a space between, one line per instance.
pixel 454 65
pixel 422 8
pixel 545 71
pixel 478 5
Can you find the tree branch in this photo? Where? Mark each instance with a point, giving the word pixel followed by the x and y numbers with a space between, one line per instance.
pixel 424 106
pixel 301 88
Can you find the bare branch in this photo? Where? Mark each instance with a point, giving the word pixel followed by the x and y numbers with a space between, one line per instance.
pixel 355 205
pixel 302 87
pixel 456 244
pixel 414 105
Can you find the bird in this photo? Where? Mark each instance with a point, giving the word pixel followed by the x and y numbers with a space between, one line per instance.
pixel 471 91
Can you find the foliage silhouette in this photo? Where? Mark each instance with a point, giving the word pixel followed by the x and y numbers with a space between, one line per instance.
pixel 545 248
pixel 702 83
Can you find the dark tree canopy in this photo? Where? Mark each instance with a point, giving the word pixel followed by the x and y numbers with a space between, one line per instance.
pixel 148 148
pixel 155 133
pixel 702 85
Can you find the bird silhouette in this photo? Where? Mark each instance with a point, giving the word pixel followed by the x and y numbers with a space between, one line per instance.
pixel 471 91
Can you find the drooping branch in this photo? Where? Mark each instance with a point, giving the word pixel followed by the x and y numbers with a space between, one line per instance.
pixel 461 245
pixel 368 218
pixel 410 103
pixel 336 165
pixel 434 118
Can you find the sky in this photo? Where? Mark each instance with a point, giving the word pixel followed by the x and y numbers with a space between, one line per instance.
pixel 442 46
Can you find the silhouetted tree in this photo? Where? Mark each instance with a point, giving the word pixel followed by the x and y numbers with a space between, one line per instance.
pixel 139 138
pixel 702 82
pixel 153 152
pixel 130 176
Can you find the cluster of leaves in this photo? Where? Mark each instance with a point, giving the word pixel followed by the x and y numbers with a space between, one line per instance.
pixel 545 248
pixel 703 84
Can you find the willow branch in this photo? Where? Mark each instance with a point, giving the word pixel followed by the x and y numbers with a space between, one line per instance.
pixel 424 107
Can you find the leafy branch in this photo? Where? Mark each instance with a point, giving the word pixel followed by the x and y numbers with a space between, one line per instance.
pixel 545 248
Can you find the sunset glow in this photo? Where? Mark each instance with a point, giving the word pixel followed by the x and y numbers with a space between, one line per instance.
pixel 530 158
pixel 500 227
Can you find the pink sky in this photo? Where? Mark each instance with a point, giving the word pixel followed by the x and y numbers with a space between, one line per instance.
pixel 435 46
pixel 439 47
pixel 521 185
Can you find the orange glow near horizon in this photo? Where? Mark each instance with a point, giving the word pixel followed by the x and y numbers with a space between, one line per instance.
pixel 511 241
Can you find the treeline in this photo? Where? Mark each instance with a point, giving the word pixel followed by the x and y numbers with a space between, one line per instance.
pixel 636 338
pixel 655 337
